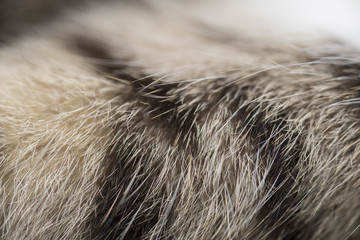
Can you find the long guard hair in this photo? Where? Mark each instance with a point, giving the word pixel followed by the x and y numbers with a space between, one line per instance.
pixel 175 120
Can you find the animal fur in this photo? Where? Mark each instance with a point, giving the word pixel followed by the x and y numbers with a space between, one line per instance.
pixel 158 120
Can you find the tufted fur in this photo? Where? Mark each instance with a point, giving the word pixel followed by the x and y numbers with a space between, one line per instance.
pixel 158 120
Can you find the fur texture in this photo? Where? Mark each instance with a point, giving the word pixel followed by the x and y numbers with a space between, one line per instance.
pixel 158 120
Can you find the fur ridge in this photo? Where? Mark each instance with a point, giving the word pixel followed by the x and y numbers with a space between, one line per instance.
pixel 177 120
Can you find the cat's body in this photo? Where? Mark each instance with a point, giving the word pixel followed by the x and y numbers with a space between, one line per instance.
pixel 178 121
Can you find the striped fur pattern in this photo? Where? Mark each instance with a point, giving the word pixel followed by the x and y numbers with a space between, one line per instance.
pixel 158 120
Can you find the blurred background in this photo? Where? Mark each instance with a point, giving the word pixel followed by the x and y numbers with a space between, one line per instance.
pixel 339 18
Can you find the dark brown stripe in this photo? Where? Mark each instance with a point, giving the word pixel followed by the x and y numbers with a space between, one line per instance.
pixel 127 207
pixel 271 138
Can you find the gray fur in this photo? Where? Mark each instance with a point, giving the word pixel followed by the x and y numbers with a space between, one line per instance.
pixel 160 120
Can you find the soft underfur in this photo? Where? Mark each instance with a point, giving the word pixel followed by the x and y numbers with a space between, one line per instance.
pixel 176 120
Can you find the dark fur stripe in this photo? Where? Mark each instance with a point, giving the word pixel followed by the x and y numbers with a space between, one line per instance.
pixel 123 211
pixel 126 209
pixel 152 94
pixel 271 139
